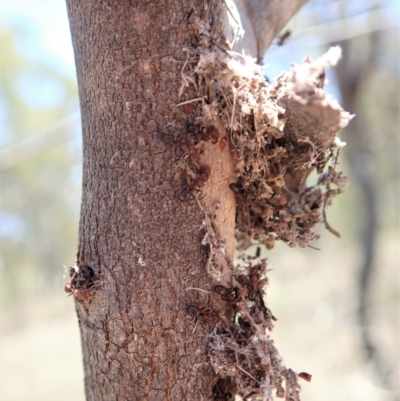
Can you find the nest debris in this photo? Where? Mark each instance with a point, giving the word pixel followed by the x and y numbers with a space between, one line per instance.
pixel 278 134
pixel 241 350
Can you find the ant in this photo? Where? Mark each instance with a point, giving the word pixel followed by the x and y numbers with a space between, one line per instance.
pixel 167 138
pixel 208 315
pixel 191 151
pixel 199 181
pixel 210 133
pixel 227 294
pixel 283 37
pixel 81 294
pixel 70 288
pixel 188 149
pixel 238 187
pixel 192 128
pixel 184 195
pixel 202 177
pixel 305 376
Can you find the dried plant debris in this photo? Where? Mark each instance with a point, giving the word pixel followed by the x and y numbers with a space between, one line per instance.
pixel 241 350
pixel 277 134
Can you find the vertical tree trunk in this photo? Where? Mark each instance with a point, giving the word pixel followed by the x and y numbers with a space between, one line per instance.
pixel 140 230
pixel 181 135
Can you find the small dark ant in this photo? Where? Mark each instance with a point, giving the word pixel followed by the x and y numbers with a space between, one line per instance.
pixel 190 150
pixel 283 37
pixel 193 310
pixel 192 128
pixel 200 311
pixel 167 138
pixel 210 133
pixel 238 189
pixel 81 294
pixel 202 177
pixel 82 275
pixel 227 294
pixel 238 186
pixel 184 195
pixel 305 376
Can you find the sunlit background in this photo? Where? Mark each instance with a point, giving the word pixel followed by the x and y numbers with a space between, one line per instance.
pixel 337 308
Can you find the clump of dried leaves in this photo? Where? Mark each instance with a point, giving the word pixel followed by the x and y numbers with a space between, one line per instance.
pixel 241 350
pixel 278 134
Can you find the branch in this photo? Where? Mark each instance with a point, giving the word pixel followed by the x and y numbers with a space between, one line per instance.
pixel 262 21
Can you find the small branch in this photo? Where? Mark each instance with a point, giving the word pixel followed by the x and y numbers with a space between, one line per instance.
pixel 262 22
pixel 190 101
pixel 245 372
pixel 197 289
pixel 184 83
pixel 325 221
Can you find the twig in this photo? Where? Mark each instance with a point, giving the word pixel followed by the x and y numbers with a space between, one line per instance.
pixel 128 67
pixel 233 110
pixel 313 247
pixel 231 13
pixel 325 221
pixel 247 373
pixel 198 289
pixel 185 83
pixel 190 101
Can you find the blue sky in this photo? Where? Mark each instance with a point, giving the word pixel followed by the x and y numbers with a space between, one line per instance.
pixel 48 37
pixel 47 24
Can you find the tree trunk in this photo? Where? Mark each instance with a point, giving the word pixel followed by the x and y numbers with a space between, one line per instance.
pixel 140 230
pixel 184 143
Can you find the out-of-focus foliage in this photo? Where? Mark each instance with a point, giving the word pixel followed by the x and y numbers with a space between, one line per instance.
pixel 364 271
pixel 38 212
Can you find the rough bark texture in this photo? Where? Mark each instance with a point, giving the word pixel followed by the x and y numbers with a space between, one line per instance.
pixel 181 136
pixel 140 236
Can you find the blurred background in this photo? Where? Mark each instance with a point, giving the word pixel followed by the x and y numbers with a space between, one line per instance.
pixel 337 308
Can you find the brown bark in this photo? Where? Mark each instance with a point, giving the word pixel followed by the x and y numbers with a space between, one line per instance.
pixel 170 132
pixel 142 243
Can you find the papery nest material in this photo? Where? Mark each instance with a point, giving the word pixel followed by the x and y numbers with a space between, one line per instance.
pixel 278 134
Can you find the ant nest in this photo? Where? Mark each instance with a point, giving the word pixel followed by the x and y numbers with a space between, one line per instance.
pixel 277 134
